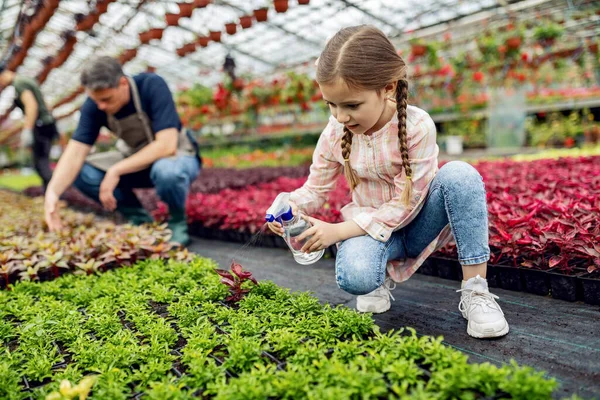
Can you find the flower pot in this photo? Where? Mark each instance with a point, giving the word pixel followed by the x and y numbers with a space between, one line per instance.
pixel 590 284
pixel 172 19
pixel 448 268
pixel 246 21
pixel 203 41
pixel 102 6
pixel 508 277
pixel 231 28
pixel 535 281
pixel 201 3
pixel 156 33
pixel 513 43
pixel 181 53
pixel 261 14
pixel 565 286
pixel 215 36
pixel 546 42
pixel 145 37
pixel 189 47
pixel 303 2
pixel 418 50
pixel 186 9
pixel 281 6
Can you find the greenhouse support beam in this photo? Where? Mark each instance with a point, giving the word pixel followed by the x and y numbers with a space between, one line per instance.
pixel 349 4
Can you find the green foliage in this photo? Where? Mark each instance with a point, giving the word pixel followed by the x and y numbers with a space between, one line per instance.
pixel 272 344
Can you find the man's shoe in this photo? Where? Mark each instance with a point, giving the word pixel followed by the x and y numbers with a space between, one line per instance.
pixel 136 215
pixel 478 306
pixel 178 225
pixel 378 301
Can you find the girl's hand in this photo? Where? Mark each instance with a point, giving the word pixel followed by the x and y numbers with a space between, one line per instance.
pixel 276 227
pixel 322 235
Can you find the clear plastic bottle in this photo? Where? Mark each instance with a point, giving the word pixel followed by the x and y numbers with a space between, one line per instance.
pixel 293 226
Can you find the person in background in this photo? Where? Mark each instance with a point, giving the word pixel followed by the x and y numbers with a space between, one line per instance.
pixel 403 206
pixel 153 148
pixel 39 127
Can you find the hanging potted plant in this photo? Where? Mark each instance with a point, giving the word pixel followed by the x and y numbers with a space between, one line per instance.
pixel 189 47
pixel 70 40
pixel 186 9
pixel 156 33
pixel 203 41
pixel 261 14
pixel 547 33
pixel 418 48
pixel 215 36
pixel 231 28
pixel 281 6
pixel 172 19
pixel 145 37
pixel 246 21
pixel 102 6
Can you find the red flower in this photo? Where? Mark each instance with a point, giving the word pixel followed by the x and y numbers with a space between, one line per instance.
pixel 478 76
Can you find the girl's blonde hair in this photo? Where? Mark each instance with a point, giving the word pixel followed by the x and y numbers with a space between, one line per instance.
pixel 365 59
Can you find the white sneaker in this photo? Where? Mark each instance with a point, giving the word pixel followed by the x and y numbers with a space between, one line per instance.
pixel 378 301
pixel 479 307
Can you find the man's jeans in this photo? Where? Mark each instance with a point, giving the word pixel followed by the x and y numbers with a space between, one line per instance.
pixel 170 176
pixel 456 196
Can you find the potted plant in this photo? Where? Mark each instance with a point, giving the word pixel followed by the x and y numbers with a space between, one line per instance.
pixel 215 36
pixel 246 21
pixel 203 41
pixel 281 6
pixel 261 14
pixel 231 28
pixel 172 19
pixel 186 9
pixel 156 33
pixel 547 33
pixel 145 37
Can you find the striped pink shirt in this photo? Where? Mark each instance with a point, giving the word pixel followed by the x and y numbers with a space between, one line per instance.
pixel 376 206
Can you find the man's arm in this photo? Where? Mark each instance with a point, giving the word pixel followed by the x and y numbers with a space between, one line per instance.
pixel 165 145
pixel 31 109
pixel 68 167
pixel 66 171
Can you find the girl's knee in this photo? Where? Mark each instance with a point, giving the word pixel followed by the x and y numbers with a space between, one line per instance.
pixel 359 273
pixel 458 173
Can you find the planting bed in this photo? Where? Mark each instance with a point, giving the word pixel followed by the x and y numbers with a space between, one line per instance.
pixel 162 330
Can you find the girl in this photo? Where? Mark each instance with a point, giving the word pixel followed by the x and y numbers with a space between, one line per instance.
pixel 403 208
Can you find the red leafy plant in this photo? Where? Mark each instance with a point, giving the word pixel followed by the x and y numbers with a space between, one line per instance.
pixel 235 280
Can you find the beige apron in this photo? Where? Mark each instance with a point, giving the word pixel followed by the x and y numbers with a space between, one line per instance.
pixel 134 133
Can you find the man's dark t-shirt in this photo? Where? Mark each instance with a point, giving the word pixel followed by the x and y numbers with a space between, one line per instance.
pixel 157 103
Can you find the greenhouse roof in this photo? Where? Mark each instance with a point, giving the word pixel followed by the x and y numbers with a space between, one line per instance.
pixel 287 40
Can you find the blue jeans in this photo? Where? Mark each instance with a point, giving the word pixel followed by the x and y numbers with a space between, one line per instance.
pixel 170 176
pixel 456 196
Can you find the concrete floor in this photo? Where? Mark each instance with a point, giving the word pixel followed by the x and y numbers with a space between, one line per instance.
pixel 556 336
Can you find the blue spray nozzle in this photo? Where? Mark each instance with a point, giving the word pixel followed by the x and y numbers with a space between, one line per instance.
pixel 280 210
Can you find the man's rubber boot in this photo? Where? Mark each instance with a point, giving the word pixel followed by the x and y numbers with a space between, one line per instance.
pixel 178 225
pixel 136 215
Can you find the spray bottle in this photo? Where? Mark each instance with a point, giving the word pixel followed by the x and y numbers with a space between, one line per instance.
pixel 293 226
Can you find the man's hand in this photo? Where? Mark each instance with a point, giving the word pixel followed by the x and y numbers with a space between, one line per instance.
pixel 107 188
pixel 26 137
pixel 322 235
pixel 51 211
pixel 276 227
